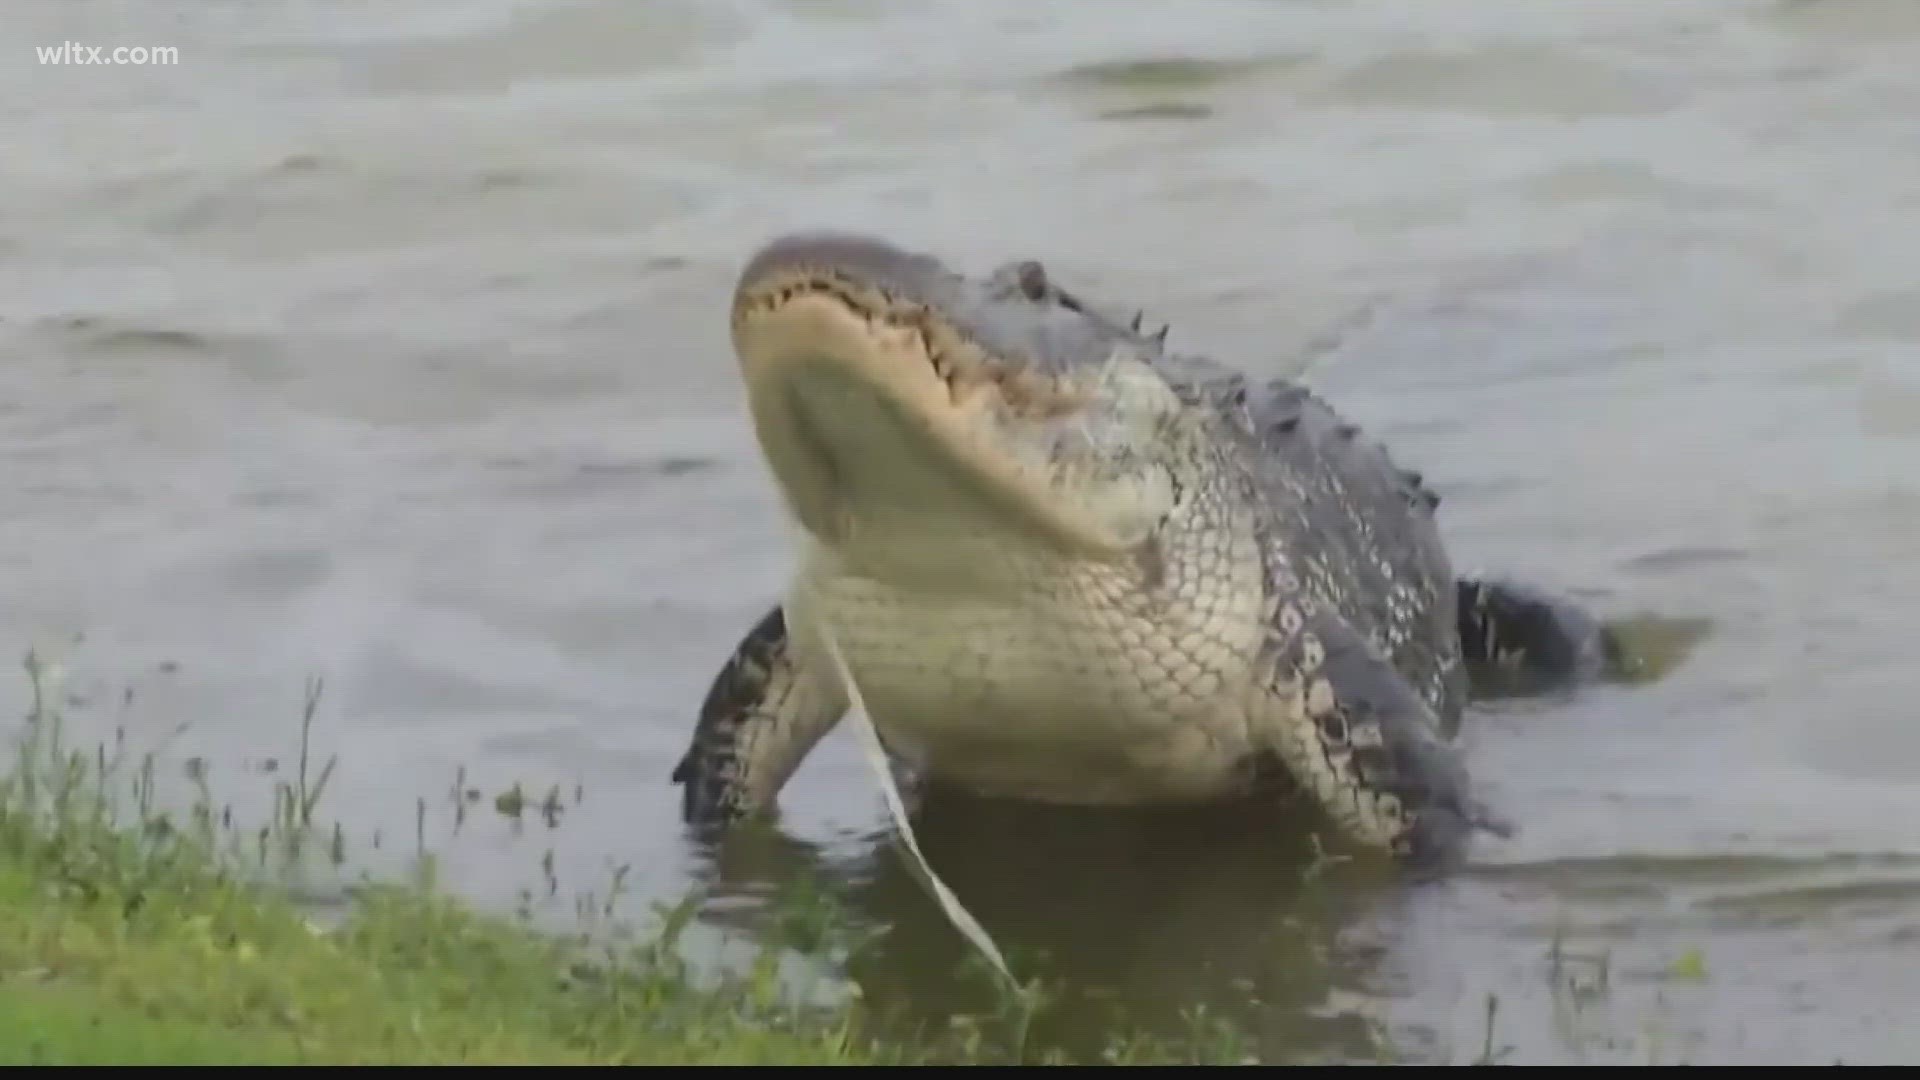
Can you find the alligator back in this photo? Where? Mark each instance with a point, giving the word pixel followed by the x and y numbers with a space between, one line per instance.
pixel 1340 522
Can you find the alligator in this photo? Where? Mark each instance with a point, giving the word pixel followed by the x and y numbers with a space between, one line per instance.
pixel 1064 563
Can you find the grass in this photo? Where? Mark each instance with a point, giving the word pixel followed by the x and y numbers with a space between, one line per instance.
pixel 180 966
pixel 125 938
pixel 129 937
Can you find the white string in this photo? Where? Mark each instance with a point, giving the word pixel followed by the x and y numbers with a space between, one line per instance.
pixel 962 920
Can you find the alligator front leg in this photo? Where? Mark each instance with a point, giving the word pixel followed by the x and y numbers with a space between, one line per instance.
pixel 1517 638
pixel 768 706
pixel 1356 736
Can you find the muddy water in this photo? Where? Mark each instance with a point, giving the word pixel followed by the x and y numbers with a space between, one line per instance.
pixel 386 343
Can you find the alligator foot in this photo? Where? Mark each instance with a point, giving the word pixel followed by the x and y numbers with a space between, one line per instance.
pixel 1362 743
pixel 768 705
pixel 1518 639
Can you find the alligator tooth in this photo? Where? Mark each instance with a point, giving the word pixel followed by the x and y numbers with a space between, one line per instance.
pixel 1135 325
pixel 1161 337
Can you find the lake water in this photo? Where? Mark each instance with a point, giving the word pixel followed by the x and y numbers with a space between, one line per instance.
pixel 386 342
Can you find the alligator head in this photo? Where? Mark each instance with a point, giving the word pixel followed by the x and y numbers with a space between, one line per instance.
pixel 899 403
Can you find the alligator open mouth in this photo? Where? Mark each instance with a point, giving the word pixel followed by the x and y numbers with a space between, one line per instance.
pixel 874 406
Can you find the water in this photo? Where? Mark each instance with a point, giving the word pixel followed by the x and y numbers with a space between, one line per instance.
pixel 386 342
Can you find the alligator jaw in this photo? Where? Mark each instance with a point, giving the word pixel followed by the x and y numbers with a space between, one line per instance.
pixel 878 416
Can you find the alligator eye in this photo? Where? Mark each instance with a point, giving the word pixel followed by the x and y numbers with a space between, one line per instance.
pixel 1032 279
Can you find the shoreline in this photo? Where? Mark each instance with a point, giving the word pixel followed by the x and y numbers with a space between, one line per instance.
pixel 126 938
